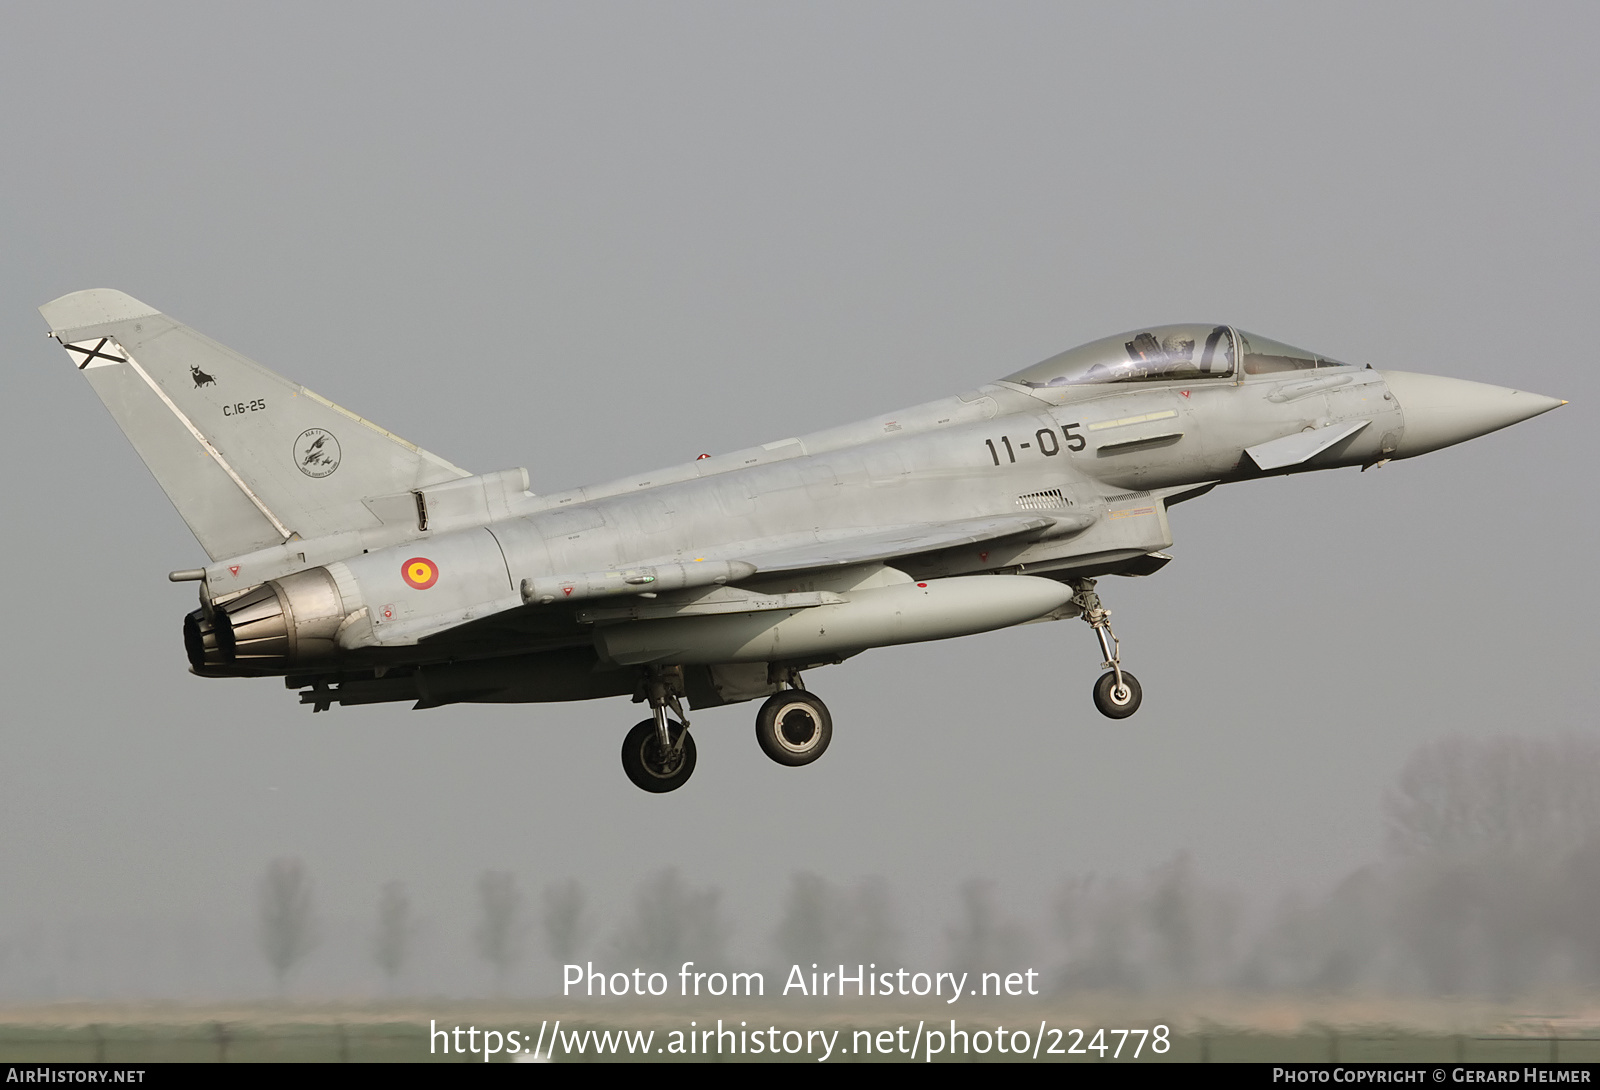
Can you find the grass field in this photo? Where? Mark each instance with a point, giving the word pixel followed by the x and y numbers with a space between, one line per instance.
pixel 1218 1029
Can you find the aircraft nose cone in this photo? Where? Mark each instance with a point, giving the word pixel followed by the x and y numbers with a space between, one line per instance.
pixel 1441 411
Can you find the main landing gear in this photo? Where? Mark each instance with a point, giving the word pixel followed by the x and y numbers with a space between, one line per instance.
pixel 1117 693
pixel 793 727
pixel 658 754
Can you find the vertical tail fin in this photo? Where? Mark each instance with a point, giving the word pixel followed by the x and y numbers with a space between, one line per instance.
pixel 247 457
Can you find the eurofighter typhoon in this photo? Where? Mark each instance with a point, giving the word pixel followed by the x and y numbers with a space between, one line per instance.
pixel 361 569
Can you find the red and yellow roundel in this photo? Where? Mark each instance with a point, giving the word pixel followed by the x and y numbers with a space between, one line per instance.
pixel 419 572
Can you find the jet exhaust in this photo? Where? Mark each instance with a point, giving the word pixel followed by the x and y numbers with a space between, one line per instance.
pixel 280 622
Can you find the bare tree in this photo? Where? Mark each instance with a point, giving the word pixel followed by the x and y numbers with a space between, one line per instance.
pixel 874 932
pixel 499 932
pixel 1169 929
pixel 828 925
pixel 1489 888
pixel 392 943
pixel 566 922
pixel 1175 917
pixel 982 940
pixel 288 932
pixel 1340 942
pixel 673 924
pixel 1098 921
pixel 805 932
pixel 1461 796
pixel 1494 842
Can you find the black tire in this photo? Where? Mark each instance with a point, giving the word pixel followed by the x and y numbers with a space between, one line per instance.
pixel 794 727
pixel 1105 696
pixel 641 758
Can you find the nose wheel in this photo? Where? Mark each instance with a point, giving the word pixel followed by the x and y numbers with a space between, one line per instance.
pixel 1117 700
pixel 1117 693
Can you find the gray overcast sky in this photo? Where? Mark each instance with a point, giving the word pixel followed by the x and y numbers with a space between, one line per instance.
pixel 597 238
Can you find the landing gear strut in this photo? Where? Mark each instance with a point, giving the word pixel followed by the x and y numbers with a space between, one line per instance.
pixel 658 754
pixel 793 727
pixel 1117 694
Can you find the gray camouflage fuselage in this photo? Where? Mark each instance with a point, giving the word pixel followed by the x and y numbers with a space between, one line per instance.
pixel 960 515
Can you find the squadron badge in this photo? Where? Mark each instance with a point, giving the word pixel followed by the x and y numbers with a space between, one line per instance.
pixel 316 452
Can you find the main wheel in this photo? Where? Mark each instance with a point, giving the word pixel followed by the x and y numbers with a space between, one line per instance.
pixel 794 727
pixel 1114 703
pixel 648 767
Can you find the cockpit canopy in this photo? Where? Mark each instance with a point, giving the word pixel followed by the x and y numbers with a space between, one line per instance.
pixel 1168 353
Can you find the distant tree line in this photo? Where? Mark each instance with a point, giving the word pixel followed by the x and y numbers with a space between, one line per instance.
pixel 1488 888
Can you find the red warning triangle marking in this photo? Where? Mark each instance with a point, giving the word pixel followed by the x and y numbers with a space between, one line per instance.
pixel 233 569
pixel 567 591
pixel 1185 393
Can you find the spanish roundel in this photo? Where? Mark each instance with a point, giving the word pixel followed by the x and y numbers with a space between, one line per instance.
pixel 419 572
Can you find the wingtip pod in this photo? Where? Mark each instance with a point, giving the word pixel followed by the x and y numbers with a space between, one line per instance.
pixel 92 307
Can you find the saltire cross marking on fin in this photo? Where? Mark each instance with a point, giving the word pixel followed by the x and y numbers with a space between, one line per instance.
pixel 95 353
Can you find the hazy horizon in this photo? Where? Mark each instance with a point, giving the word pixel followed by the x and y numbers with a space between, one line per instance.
pixel 594 240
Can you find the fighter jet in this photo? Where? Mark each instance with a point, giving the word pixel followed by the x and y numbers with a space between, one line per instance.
pixel 362 569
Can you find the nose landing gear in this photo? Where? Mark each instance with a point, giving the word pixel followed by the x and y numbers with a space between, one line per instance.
pixel 1117 694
